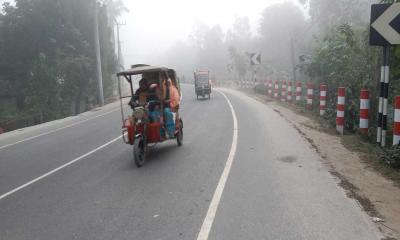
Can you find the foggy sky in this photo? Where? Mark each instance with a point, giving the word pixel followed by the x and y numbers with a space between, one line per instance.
pixel 152 26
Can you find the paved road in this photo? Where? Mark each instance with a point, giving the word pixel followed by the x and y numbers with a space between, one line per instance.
pixel 276 187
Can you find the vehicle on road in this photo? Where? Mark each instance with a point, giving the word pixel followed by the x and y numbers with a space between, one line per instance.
pixel 202 83
pixel 156 119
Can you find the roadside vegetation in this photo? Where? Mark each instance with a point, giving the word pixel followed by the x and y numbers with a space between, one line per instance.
pixel 47 58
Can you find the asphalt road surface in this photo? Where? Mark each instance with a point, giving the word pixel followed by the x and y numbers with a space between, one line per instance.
pixel 75 179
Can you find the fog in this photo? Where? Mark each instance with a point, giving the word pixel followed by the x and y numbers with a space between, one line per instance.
pixel 152 27
pixel 48 49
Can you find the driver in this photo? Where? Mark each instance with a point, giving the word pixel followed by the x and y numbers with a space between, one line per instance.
pixel 143 94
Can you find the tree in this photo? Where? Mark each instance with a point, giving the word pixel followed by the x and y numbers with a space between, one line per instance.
pixel 210 47
pixel 280 26
pixel 239 63
pixel 239 36
pixel 47 54
pixel 327 13
pixel 187 60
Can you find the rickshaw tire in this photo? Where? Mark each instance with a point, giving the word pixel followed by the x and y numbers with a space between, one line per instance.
pixel 179 137
pixel 139 154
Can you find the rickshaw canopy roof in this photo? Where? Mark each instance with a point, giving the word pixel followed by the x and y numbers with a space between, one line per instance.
pixel 140 69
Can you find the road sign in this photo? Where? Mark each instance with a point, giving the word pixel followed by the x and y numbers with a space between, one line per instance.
pixel 229 67
pixel 255 58
pixel 385 24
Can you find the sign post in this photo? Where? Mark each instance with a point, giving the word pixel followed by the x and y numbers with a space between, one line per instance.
pixel 255 59
pixel 384 31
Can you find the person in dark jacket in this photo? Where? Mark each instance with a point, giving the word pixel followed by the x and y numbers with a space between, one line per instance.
pixel 143 94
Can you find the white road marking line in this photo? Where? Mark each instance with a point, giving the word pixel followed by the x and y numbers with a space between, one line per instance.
pixel 212 209
pixel 57 169
pixel 56 130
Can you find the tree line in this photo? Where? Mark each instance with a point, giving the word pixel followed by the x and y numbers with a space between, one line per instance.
pixel 47 57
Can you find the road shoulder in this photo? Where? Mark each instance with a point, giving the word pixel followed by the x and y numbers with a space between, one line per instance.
pixel 32 132
pixel 377 195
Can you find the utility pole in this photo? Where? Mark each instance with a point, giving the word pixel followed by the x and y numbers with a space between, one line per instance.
pixel 120 59
pixel 99 73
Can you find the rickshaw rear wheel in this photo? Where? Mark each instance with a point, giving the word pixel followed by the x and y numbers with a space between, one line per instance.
pixel 139 152
pixel 179 135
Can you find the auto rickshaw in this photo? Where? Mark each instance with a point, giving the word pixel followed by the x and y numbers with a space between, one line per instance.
pixel 202 84
pixel 149 122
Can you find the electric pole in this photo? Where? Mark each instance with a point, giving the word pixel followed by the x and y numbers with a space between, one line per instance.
pixel 120 59
pixel 99 73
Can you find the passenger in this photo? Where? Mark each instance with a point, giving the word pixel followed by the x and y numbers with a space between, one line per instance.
pixel 175 99
pixel 140 96
pixel 168 93
pixel 170 97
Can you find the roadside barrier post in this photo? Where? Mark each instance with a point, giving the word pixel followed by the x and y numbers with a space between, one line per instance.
pixel 289 93
pixel 364 110
pixel 310 95
pixel 396 125
pixel 340 110
pixel 283 91
pixel 322 99
pixel 276 90
pixel 270 87
pixel 298 91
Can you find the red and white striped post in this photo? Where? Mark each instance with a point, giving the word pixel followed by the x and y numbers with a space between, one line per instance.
pixel 364 110
pixel 298 91
pixel 322 99
pixel 340 110
pixel 270 87
pixel 283 91
pixel 276 90
pixel 265 84
pixel 289 93
pixel 396 125
pixel 310 95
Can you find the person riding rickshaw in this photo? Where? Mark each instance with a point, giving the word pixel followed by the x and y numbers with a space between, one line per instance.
pixel 154 106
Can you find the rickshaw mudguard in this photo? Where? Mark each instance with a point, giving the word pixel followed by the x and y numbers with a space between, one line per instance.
pixel 127 136
pixel 128 132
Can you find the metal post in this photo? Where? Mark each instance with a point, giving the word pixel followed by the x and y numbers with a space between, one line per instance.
pixel 380 106
pixel 385 93
pixel 255 77
pixel 292 56
pixel 99 73
pixel 120 60
pixel 120 99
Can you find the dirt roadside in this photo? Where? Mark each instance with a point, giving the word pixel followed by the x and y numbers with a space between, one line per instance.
pixel 376 194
